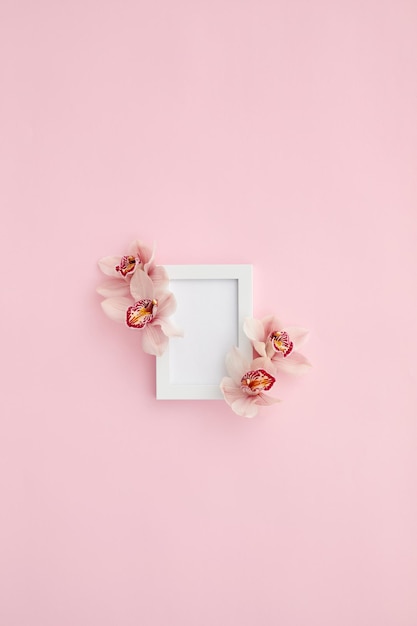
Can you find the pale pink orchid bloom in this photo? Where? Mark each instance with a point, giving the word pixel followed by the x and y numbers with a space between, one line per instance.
pixel 248 384
pixel 279 343
pixel 121 269
pixel 147 311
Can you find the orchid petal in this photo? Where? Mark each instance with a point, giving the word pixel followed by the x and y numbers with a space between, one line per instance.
pixel 150 258
pixel 294 363
pixel 297 335
pixel 264 399
pixel 167 304
pixel 115 308
pixel 236 364
pixel 263 363
pixel 141 286
pixel 154 341
pixel 246 407
pixel 271 323
pixel 113 288
pixel 168 327
pixel 139 249
pixel 159 277
pixel 269 350
pixel 108 266
pixel 259 347
pixel 254 329
pixel 230 390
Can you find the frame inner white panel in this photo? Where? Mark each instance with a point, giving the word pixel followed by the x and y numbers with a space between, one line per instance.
pixel 213 301
pixel 208 314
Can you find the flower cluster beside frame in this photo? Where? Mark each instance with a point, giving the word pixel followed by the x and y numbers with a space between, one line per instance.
pixel 213 304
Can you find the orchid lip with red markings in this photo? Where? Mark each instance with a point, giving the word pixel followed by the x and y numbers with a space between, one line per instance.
pixel 281 342
pixel 256 381
pixel 127 264
pixel 141 313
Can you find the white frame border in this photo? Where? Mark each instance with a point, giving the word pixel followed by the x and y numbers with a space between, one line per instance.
pixel 243 274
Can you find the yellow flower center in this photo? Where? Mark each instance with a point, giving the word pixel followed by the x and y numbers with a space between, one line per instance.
pixel 127 265
pixel 141 313
pixel 281 342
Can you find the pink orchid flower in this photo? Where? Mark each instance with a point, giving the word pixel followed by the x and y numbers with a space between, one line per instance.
pixel 121 269
pixel 146 310
pixel 248 383
pixel 279 343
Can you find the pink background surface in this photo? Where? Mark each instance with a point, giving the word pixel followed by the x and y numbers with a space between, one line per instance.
pixel 281 134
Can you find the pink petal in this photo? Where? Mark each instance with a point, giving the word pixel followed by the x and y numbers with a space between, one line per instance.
pixel 168 327
pixel 115 308
pixel 264 399
pixel 259 347
pixel 159 277
pixel 167 304
pixel 113 288
pixel 154 341
pixel 138 248
pixel 141 286
pixel 271 323
pixel 297 335
pixel 108 266
pixel 269 350
pixel 294 363
pixel 150 261
pixel 254 329
pixel 236 365
pixel 246 407
pixel 262 362
pixel 230 390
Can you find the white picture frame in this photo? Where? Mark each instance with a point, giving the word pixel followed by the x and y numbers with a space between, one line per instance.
pixel 212 303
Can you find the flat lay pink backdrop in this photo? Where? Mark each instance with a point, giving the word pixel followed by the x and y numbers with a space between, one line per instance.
pixel 281 134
